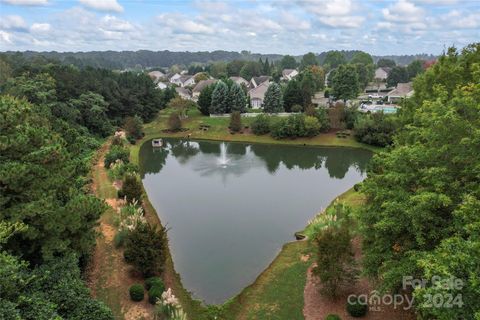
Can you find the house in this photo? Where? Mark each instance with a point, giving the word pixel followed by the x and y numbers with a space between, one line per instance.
pixel 403 90
pixel 184 93
pixel 200 86
pixel 256 81
pixel 239 81
pixel 289 74
pixel 161 85
pixel 173 77
pixel 257 94
pixel 382 73
pixel 156 75
pixel 184 81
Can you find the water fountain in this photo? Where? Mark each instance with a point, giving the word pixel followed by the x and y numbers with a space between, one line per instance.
pixel 223 160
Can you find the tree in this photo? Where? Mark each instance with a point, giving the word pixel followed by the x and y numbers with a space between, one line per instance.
pixel 218 69
pixel 201 76
pixel 251 69
pixel 235 121
pixel 134 127
pixel 397 75
pixel 220 99
pixel 345 84
pixel 131 188
pixel 174 122
pixel 361 57
pixel 375 129
pixel 234 67
pixel 273 101
pixel 414 68
pixel 93 109
pixel 237 98
pixel 308 60
pixel 365 73
pixel 288 62
pixel 145 248
pixel 266 67
pixel 334 59
pixel 386 63
pixel 205 99
pixel 181 106
pixel 292 95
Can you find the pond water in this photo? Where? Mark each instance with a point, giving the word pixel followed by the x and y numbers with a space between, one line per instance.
pixel 231 206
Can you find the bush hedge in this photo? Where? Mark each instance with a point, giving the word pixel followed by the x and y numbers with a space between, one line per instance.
pixel 115 153
pixel 136 292
pixel 261 124
pixel 154 282
pixel 155 293
pixel 357 309
pixel 333 317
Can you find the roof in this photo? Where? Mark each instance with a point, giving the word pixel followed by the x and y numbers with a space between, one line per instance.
pixel 286 72
pixel 259 91
pixel 238 80
pixel 386 69
pixel 402 90
pixel 182 91
pixel 203 84
pixel 185 78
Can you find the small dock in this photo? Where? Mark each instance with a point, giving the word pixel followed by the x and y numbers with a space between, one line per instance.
pixel 157 143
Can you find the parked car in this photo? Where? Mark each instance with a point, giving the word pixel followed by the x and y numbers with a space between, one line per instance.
pixel 375 96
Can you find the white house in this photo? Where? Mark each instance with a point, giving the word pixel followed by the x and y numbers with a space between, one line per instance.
pixel 382 73
pixel 257 94
pixel 173 78
pixel 289 74
pixel 239 81
pixel 200 86
pixel 156 75
pixel 256 81
pixel 403 90
pixel 184 93
pixel 161 85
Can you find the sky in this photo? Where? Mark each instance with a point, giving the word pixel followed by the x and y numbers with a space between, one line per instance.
pixel 260 26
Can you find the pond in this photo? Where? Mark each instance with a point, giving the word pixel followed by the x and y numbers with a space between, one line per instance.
pixel 231 206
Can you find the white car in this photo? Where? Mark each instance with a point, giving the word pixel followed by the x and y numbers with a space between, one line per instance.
pixel 374 96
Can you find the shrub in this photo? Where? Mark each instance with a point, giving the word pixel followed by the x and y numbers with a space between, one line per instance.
pixel 375 129
pixel 145 248
pixel 357 309
pixel 291 127
pixel 134 127
pixel 322 116
pixel 261 124
pixel 136 292
pixel 312 126
pixel 235 121
pixel 297 108
pixel 154 282
pixel 310 111
pixel 333 317
pixel 116 153
pixel 119 239
pixel 131 139
pixel 131 188
pixel 120 169
pixel 117 141
pixel 155 293
pixel 174 122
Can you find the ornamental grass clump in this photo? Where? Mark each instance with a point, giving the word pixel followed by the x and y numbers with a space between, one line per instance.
pixel 170 307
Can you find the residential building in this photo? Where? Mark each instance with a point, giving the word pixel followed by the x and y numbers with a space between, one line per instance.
pixel 200 86
pixel 184 93
pixel 257 94
pixel 173 77
pixel 156 75
pixel 289 74
pixel 239 80
pixel 382 73
pixel 256 81
pixel 403 90
pixel 161 85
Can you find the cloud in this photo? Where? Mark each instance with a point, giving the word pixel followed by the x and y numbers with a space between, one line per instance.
pixel 13 22
pixel 403 11
pixel 103 5
pixel 180 23
pixel 5 37
pixel 461 20
pixel 115 24
pixel 334 13
pixel 27 2
pixel 40 27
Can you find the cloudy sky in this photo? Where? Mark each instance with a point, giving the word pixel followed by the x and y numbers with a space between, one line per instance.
pixel 287 27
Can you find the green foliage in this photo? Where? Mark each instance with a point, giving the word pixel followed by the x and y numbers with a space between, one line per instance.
pixel 290 127
pixel 414 69
pixel 333 317
pixel 154 282
pixel 235 121
pixel 362 58
pixel 292 95
pixel 322 116
pixel 375 129
pixel 93 114
pixel 273 101
pixel 205 99
pixel 134 127
pixel 386 63
pixel 261 124
pixel 345 83
pixel 131 188
pixel 357 309
pixel 119 239
pixel 308 59
pixel 220 99
pixel 145 248
pixel 334 59
pixel 237 98
pixel 116 153
pixel 251 69
pixel 365 73
pixel 397 75
pixel 421 217
pixel 155 293
pixel 136 292
pixel 174 122
pixel 119 169
pixel 234 67
pixel 312 126
pixel 288 62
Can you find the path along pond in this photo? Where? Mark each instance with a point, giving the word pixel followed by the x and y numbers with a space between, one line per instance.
pixel 231 206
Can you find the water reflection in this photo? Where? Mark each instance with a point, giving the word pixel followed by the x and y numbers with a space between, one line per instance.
pixel 205 153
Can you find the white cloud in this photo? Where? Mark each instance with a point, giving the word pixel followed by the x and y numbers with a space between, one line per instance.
pixel 103 5
pixel 13 22
pixel 27 2
pixel 335 13
pixel 5 37
pixel 40 27
pixel 293 22
pixel 115 24
pixel 403 11
pixel 461 20
pixel 180 23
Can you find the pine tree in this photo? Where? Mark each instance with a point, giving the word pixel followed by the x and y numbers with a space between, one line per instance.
pixel 219 99
pixel 237 98
pixel 266 67
pixel 273 102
